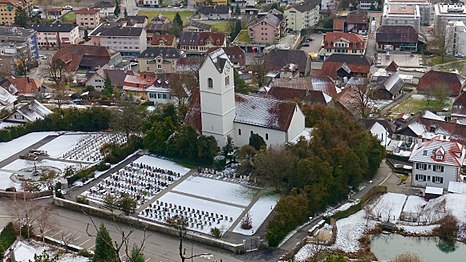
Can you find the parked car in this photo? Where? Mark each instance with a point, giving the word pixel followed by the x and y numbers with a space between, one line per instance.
pixel 67 7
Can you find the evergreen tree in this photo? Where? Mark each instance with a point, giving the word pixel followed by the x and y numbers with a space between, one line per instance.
pixel 177 21
pixel 108 88
pixel 240 84
pixel 116 12
pixel 21 17
pixel 256 141
pixel 86 35
pixel 125 13
pixel 104 251
pixel 136 255
pixel 237 9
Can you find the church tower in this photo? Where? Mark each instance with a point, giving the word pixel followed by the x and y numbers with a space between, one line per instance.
pixel 217 88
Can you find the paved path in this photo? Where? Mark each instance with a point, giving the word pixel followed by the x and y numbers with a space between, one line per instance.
pixel 382 173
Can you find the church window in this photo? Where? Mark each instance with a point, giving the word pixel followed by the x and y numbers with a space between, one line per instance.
pixel 210 82
pixel 227 80
pixel 266 136
pixel 239 131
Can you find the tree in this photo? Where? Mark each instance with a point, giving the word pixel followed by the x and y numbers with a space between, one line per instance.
pixel 104 251
pixel 447 229
pixel 110 202
pixel 177 21
pixel 45 257
pixel 206 149
pixel 275 165
pixel 117 11
pixel 128 119
pixel 57 71
pixel 136 255
pixel 108 87
pixel 259 66
pixel 240 84
pixel 440 93
pixel 127 204
pixel 362 101
pixel 237 9
pixel 21 17
pixel 256 141
pixel 86 34
pixel 407 257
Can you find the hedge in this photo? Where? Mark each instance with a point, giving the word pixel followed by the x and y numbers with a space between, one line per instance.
pixel 7 238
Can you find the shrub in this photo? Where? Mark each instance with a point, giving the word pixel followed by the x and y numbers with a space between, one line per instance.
pixel 216 232
pixel 447 229
pixel 102 166
pixel 7 237
pixel 83 175
pixel 220 162
pixel 82 200
pixel 10 189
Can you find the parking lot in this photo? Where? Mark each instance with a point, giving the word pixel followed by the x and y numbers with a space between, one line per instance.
pixel 314 45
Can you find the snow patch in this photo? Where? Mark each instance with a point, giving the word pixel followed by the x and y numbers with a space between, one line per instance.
pixel 258 213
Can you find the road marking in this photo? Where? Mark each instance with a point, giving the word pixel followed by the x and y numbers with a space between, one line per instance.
pixel 67 235
pixel 147 259
pixel 92 246
pixel 76 238
pixel 57 233
pixel 84 242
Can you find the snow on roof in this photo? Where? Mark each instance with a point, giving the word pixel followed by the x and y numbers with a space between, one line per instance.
pixel 457 187
pixel 417 128
pixel 34 111
pixel 425 152
pixel 264 112
pixel 306 134
pixel 24 252
pixel 5 97
pixel 429 115
pixel 328 98
pixel 434 190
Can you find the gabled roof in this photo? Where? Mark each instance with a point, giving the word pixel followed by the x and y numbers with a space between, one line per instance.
pixel 392 67
pixel 34 111
pixel 433 79
pixel 25 85
pixel 217 9
pixel 167 39
pixel 306 6
pixel 357 17
pixel 75 55
pixel 396 34
pixel 369 123
pixel 273 18
pixel 56 27
pixel 355 63
pixel 234 53
pixel 104 4
pixel 199 25
pixel 117 77
pixel 459 105
pixel 277 58
pixel 6 98
pixel 201 38
pixel 87 11
pixel 350 37
pixel 116 30
pixel 321 84
pixel 311 97
pixel 264 112
pixel 392 84
pixel 134 19
pixel 164 52
pixel 339 24
pixel 453 153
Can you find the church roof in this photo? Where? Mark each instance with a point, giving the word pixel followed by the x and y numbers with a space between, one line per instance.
pixel 264 112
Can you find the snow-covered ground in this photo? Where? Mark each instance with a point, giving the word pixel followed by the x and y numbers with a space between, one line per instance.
pixel 22 163
pixel 389 207
pixel 162 163
pixel 62 144
pixel 8 124
pixel 24 252
pixel 217 189
pixel 6 182
pixel 201 205
pixel 418 229
pixel 414 205
pixel 449 203
pixel 14 146
pixel 258 213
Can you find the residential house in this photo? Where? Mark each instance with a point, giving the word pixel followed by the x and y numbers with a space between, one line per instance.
pixel 339 42
pixel 97 78
pixel 437 163
pixel 8 10
pixel 29 112
pixel 424 6
pixel 382 129
pixel 172 88
pixel 213 2
pixel 452 83
pixel 88 17
pixel 328 5
pixel 55 12
pixel 21 86
pixel 136 85
pixel 455 38
pixel 86 57
pixel 276 59
pixel 236 55
pixel 133 21
pixel 239 116
pixel 190 64
pixel 267 29
pixel 159 25
pixel 195 26
pixel 346 66
pixel 399 14
pixel 106 8
pixel 368 4
pixel 129 41
pixel 163 40
pixel 445 12
pixel 55 35
pixel 302 15
pixel 159 59
pixel 397 37
pixel 458 109
pixel 200 42
pixel 7 100
pixel 357 22
pixel 389 88
pixel 151 3
pixel 215 12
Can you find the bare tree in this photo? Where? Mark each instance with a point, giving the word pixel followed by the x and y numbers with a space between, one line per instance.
pixel 180 223
pixel 181 86
pixel 260 69
pixel 407 257
pixel 361 100
pixel 123 243
pixel 66 240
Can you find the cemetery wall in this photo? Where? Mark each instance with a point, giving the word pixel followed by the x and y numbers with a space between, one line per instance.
pixel 117 216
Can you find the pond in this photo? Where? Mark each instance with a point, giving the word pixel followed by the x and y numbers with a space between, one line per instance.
pixel 429 249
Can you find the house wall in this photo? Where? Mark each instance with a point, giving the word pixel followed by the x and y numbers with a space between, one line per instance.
pixel 380 133
pixel 107 11
pixel 296 125
pixel 263 33
pixel 88 20
pixel 7 15
pixel 455 39
pixel 199 48
pixel 270 136
pixel 159 97
pixel 96 81
pixel 297 21
pixel 153 65
pixel 215 16
pixel 450 173
pixel 151 2
pixel 52 39
pixel 126 45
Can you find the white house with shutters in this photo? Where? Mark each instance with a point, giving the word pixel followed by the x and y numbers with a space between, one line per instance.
pixel 437 163
pixel 224 113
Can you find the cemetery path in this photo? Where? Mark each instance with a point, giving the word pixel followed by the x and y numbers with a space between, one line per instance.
pixel 26 150
pixel 73 193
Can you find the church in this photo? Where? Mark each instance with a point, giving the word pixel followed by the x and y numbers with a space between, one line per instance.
pixel 217 111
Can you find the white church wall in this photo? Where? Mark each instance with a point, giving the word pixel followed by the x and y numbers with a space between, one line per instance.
pixel 271 136
pixel 297 124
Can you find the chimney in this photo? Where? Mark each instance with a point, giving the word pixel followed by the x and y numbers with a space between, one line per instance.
pixel 144 75
pixel 29 80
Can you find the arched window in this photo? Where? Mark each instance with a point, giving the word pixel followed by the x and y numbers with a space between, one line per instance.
pixel 227 81
pixel 210 83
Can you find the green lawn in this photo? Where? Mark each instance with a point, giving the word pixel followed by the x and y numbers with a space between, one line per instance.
pixel 169 14
pixel 412 105
pixel 69 17
pixel 221 26
pixel 446 59
pixel 243 37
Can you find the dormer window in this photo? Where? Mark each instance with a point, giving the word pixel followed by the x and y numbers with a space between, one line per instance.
pixel 439 157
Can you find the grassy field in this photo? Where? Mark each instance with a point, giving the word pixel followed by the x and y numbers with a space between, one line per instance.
pixel 69 17
pixel 413 105
pixel 221 26
pixel 169 14
pixel 243 37
pixel 438 60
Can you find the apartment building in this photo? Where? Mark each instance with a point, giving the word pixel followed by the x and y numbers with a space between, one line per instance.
pixel 302 15
pixel 88 17
pixel 398 14
pixel 129 41
pixel 443 13
pixel 424 6
pixel 20 37
pixel 267 28
pixel 8 10
pixel 55 35
pixel 455 38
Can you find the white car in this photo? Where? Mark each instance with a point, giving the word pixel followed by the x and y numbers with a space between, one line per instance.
pixel 67 7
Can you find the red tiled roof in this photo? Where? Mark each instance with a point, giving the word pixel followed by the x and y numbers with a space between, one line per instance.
pixel 89 11
pixel 72 55
pixel 167 39
pixel 12 2
pixel 25 85
pixel 433 79
pixel 339 24
pixel 392 67
pixel 357 17
pixel 351 37
pixel 459 105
